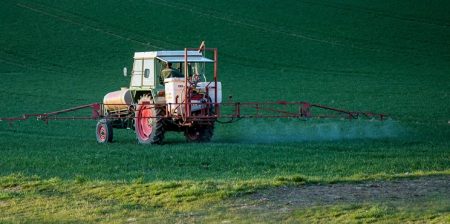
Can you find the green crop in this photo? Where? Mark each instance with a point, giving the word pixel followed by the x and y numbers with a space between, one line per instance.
pixel 386 57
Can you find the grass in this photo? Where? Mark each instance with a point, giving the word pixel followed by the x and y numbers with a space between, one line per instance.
pixel 384 56
pixel 220 161
pixel 33 199
pixel 347 213
pixel 377 212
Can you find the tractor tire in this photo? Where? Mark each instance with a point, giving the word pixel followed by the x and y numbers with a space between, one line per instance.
pixel 199 134
pixel 104 131
pixel 148 122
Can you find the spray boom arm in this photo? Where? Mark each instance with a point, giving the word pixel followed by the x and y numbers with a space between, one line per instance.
pixel 232 111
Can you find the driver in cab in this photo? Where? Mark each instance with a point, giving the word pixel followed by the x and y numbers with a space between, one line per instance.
pixel 169 72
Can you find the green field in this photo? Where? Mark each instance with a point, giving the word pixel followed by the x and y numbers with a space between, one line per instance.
pixel 385 56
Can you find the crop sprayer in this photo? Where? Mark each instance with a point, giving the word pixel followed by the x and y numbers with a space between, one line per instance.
pixel 153 105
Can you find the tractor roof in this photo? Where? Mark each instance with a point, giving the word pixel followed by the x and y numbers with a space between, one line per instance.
pixel 172 56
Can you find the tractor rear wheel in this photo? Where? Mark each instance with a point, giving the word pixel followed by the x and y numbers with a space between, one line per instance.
pixel 104 131
pixel 148 122
pixel 199 134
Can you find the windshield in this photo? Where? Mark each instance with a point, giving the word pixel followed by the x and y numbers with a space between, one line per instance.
pixel 196 70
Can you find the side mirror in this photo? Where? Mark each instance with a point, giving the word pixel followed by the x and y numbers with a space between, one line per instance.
pixel 146 73
pixel 125 71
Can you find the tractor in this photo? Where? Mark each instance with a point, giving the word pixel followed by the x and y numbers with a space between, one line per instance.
pixel 153 104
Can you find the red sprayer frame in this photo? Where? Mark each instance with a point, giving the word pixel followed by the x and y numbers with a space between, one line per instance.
pixel 187 88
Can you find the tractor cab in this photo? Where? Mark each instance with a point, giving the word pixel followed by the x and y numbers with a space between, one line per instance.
pixel 147 68
pixel 196 79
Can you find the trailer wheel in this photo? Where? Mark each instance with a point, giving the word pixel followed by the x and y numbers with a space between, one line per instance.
pixel 148 122
pixel 104 131
pixel 199 134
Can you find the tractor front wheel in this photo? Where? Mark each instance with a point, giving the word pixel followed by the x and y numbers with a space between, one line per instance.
pixel 148 122
pixel 104 131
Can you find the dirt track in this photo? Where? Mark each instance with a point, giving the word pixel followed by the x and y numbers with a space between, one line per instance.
pixel 382 191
